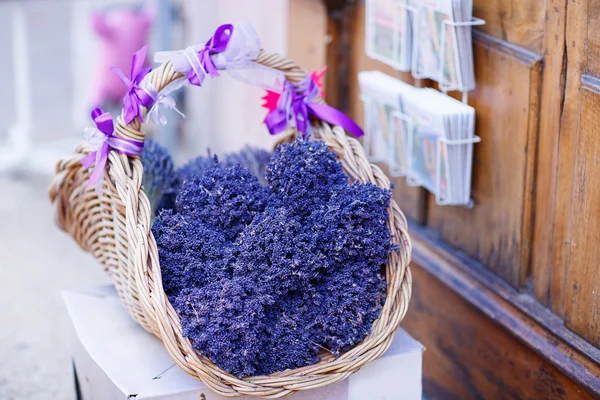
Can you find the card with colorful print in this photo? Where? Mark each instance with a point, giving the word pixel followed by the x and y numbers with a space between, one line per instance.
pixel 385 128
pixel 442 48
pixel 389 32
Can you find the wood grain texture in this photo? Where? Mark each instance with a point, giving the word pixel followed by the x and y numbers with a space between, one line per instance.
pixel 521 23
pixel 574 57
pixel 591 20
pixel 335 58
pixel 472 358
pixel 307 46
pixel 583 307
pixel 496 232
pixel 340 21
pixel 480 342
pixel 541 274
pixel 484 276
pixel 410 199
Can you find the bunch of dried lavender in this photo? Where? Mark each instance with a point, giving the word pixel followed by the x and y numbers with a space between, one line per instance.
pixel 264 278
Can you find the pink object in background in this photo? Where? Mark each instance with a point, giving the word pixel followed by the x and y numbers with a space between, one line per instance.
pixel 122 32
pixel 272 98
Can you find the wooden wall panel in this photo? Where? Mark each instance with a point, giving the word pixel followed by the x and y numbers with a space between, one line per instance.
pixel 469 356
pixel 557 152
pixel 548 283
pixel 410 199
pixel 510 313
pixel 534 232
pixel 334 62
pixel 307 46
pixel 592 44
pixel 583 305
pixel 520 23
pixel 496 232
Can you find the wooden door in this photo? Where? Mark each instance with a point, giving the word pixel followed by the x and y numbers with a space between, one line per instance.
pixel 507 294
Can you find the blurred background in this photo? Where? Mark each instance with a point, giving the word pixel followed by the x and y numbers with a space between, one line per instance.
pixel 53 72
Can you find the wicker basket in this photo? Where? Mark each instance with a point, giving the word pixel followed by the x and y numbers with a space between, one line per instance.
pixel 115 228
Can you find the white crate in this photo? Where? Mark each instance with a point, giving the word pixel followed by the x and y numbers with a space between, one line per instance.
pixel 116 359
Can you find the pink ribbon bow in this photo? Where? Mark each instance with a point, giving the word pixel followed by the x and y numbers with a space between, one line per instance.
pixel 135 96
pixel 298 103
pixel 101 140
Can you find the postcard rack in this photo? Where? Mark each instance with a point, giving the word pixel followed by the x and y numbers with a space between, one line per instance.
pixel 395 37
pixel 441 165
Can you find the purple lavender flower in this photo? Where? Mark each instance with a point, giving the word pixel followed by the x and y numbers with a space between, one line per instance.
pixel 158 181
pixel 351 229
pixel 239 325
pixel 265 278
pixel 195 167
pixel 190 251
pixel 225 321
pixel 252 158
pixel 228 199
pixel 303 174
pixel 277 250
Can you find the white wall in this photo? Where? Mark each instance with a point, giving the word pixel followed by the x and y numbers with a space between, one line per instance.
pixel 226 114
pixel 62 50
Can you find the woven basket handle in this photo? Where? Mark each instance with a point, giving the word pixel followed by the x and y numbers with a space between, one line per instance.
pixel 124 173
pixel 71 176
pixel 165 74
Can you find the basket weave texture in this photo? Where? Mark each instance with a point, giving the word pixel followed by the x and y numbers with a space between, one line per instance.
pixel 115 228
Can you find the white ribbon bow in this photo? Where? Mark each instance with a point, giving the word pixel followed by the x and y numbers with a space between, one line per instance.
pixel 237 59
pixel 94 137
pixel 155 113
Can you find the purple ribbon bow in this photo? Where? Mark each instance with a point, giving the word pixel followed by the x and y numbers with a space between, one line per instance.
pixel 216 44
pixel 299 103
pixel 102 140
pixel 135 96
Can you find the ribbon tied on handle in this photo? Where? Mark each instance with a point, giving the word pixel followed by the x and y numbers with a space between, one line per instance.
pixel 196 61
pixel 159 99
pixel 298 103
pixel 135 96
pixel 233 48
pixel 216 44
pixel 101 140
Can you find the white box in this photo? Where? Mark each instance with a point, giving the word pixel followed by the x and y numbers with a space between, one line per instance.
pixel 116 359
